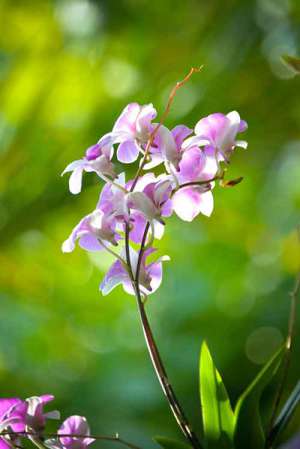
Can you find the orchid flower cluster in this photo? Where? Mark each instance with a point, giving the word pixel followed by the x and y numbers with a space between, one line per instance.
pixel 177 170
pixel 27 418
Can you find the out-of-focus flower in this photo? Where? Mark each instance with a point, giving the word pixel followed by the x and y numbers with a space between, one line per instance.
pixel 21 416
pixel 75 425
pixel 91 230
pixel 220 132
pixel 13 414
pixel 150 276
pixel 97 159
pixel 35 416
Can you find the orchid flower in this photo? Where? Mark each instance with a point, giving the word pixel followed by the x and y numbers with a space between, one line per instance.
pixel 167 147
pixel 196 166
pixel 189 165
pixel 219 131
pixel 97 159
pixel 76 425
pixel 132 131
pixel 93 229
pixel 35 416
pixel 13 414
pixel 150 275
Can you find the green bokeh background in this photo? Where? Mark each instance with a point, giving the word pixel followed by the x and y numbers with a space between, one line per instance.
pixel 67 68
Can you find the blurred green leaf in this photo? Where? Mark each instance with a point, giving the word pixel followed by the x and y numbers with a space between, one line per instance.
pixel 217 414
pixel 249 431
pixel 293 62
pixel 169 443
pixel 286 413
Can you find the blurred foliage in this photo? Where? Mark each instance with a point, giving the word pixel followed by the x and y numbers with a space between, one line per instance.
pixel 67 68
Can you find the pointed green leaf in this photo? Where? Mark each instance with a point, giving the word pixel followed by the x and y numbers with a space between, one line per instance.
pixel 169 443
pixel 249 431
pixel 293 62
pixel 286 413
pixel 217 414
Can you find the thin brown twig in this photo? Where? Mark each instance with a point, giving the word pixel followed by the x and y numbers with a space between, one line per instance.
pixel 115 438
pixel 177 86
pixel 196 183
pixel 288 344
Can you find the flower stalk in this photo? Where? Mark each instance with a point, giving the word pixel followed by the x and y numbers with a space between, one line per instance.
pixel 156 360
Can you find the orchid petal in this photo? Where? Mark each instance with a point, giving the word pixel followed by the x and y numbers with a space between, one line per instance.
pixel 75 181
pixel 116 275
pixel 188 202
pixel 128 151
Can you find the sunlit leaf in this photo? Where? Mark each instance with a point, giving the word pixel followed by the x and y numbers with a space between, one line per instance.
pixel 217 414
pixel 249 431
pixel 286 413
pixel 293 62
pixel 169 443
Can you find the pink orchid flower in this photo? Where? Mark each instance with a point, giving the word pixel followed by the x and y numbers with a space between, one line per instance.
pixel 219 131
pixel 132 131
pixel 97 159
pixel 150 274
pixel 75 425
pixel 91 230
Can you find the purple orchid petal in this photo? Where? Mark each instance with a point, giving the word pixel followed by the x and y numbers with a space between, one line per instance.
pixel 90 243
pixel 188 202
pixel 128 151
pixel 36 418
pixel 127 120
pixel 146 115
pixel 212 126
pixel 167 146
pixel 6 404
pixel 141 202
pixel 93 152
pixel 155 272
pixel 4 444
pixel 76 425
pixel 167 209
pixel 13 414
pixel 82 227
pixel 243 126
pixel 191 165
pixel 138 226
pixel 116 275
pixel 180 133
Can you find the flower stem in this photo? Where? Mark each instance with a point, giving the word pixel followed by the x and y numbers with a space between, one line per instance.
pixel 177 86
pixel 113 439
pixel 153 349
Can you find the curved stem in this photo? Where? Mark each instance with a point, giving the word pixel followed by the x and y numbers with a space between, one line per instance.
pixel 195 183
pixel 115 438
pixel 163 118
pixel 153 349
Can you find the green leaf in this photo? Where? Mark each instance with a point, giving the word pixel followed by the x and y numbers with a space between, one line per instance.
pixel 249 431
pixel 217 414
pixel 168 443
pixel 286 413
pixel 293 62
